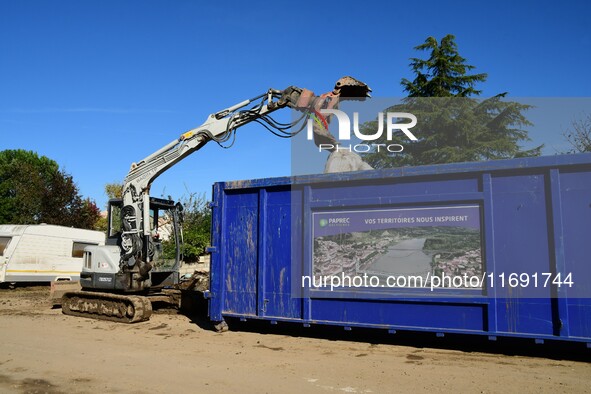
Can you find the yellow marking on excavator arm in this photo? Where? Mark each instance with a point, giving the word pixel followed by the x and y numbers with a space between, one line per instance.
pixel 187 135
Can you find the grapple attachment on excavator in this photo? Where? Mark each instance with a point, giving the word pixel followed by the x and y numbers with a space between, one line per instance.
pixel 349 87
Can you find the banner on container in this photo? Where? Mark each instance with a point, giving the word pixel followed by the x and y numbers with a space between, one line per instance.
pixel 418 242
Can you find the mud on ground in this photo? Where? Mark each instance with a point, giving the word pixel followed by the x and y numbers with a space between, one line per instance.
pixel 43 351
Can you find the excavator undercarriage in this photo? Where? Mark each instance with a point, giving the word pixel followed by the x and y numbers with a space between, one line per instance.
pixel 105 306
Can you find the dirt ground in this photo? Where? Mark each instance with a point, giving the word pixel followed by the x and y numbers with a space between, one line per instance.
pixel 43 351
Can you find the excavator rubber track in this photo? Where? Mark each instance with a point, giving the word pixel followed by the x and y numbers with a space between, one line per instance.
pixel 105 306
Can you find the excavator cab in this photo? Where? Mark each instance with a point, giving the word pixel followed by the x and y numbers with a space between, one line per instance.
pixel 163 248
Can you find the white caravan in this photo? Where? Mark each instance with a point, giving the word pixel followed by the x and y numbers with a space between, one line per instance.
pixel 43 253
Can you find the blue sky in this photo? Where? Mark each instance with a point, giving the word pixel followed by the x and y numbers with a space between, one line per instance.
pixel 97 85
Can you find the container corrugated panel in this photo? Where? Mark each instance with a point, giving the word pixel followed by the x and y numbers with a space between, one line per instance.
pixel 534 217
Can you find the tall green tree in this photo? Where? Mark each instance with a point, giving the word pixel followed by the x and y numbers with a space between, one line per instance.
pixel 453 125
pixel 34 190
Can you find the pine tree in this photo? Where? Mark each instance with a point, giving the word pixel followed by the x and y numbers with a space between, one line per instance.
pixel 444 74
pixel 453 126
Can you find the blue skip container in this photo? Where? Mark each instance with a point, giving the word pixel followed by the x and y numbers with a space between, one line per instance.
pixel 517 234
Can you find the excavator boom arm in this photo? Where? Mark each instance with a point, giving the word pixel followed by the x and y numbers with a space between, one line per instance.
pixel 218 127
